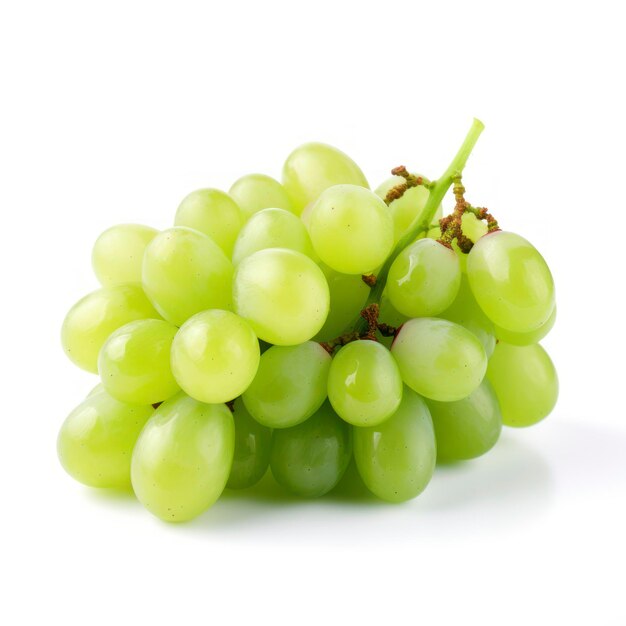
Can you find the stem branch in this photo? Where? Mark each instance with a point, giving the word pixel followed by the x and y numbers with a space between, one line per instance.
pixel 438 190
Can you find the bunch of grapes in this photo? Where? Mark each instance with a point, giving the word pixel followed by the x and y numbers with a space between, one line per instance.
pixel 302 326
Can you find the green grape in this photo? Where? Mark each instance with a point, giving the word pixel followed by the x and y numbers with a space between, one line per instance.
pixel 255 192
pixel 526 339
pixel 468 427
pixel 253 444
pixel 314 167
pixel 466 312
pixel 213 213
pixel 91 320
pixel 439 359
pixel 118 253
pixel 185 272
pixel 215 356
pixel 424 279
pixel 283 294
pixel 364 383
pixel 272 228
pixel 396 459
pixel 309 459
pixel 183 457
pixel 351 229
pixel 405 211
pixel 134 363
pixel 97 439
pixel 348 294
pixel 525 381
pixel 290 385
pixel 511 282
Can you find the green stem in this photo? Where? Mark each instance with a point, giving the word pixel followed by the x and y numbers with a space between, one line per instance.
pixel 438 190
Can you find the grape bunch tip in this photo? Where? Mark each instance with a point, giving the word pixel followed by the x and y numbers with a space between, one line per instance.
pixel 306 326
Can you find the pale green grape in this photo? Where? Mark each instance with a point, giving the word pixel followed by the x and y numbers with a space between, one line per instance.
pixel 183 457
pixel 91 320
pixel 348 294
pixel 185 272
pixel 439 359
pixel 525 381
pixel 253 444
pixel 351 229
pixel 97 439
pixel 309 459
pixel 215 356
pixel 424 279
pixel 468 427
pixel 364 384
pixel 272 228
pixel 466 312
pixel 255 192
pixel 213 213
pixel 396 459
pixel 290 384
pixel 118 253
pixel 511 282
pixel 283 294
pixel 314 167
pixel 408 209
pixel 526 339
pixel 134 363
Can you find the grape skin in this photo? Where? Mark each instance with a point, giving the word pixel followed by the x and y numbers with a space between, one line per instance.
pixel 213 213
pixel 215 356
pixel 439 359
pixel 525 381
pixel 314 167
pixel 118 252
pixel 309 459
pixel 278 397
pixel 364 383
pixel 282 294
pixel 97 438
pixel 92 319
pixel 183 457
pixel 134 362
pixel 396 459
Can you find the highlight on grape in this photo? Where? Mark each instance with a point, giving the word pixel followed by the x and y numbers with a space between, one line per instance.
pixel 306 326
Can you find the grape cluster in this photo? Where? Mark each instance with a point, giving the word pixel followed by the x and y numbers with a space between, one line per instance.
pixel 301 326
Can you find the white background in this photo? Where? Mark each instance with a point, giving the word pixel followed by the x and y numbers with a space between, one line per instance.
pixel 112 111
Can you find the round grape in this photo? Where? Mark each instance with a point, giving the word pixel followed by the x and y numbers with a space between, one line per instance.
pixel 439 359
pixel 134 362
pixel 351 229
pixel 91 320
pixel 511 282
pixel 283 294
pixel 424 279
pixel 97 439
pixel 396 459
pixel 525 381
pixel 364 383
pixel 118 253
pixel 309 459
pixel 314 167
pixel 213 213
pixel 185 272
pixel 215 356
